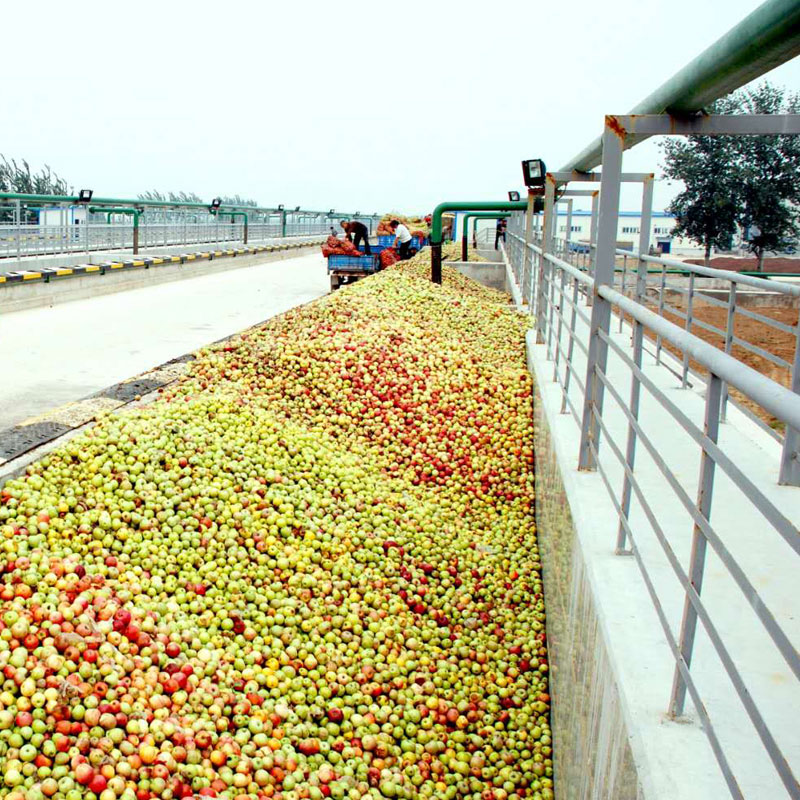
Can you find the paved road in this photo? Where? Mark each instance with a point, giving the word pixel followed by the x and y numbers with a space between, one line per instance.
pixel 52 356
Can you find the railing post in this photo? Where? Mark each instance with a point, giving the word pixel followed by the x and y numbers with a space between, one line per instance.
pixel 697 559
pixel 689 308
pixel 661 291
pixel 613 144
pixel 790 455
pixel 593 242
pixel 557 351
pixel 568 237
pixel 624 285
pixel 729 329
pixel 570 346
pixel 527 253
pixel 547 247
pixel 638 349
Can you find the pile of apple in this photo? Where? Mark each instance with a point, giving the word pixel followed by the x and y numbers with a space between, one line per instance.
pixel 308 570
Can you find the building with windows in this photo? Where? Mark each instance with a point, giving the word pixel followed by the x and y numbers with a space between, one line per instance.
pixel 629 228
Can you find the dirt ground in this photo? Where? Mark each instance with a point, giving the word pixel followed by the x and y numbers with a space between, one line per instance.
pixel 783 265
pixel 774 341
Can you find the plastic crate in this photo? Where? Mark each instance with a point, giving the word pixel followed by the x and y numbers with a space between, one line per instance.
pixel 341 263
pixel 417 241
pixel 375 249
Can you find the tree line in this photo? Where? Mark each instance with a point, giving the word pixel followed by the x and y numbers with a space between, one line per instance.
pixel 18 177
pixel 746 185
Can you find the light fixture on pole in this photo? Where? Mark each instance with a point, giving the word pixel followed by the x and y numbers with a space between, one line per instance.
pixel 534 172
pixel 85 195
pixel 513 196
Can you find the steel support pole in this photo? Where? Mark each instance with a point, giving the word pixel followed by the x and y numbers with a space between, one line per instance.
pixel 568 237
pixel 697 558
pixel 729 328
pixel 527 253
pixel 688 328
pixel 608 216
pixel 593 242
pixel 436 262
pixel 547 247
pixel 789 474
pixel 638 349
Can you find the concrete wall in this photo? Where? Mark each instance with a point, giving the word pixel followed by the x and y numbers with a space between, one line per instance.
pixel 592 752
pixel 56 260
pixel 489 274
pixel 34 294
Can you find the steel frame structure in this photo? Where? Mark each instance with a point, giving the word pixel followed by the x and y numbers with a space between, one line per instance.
pixel 557 287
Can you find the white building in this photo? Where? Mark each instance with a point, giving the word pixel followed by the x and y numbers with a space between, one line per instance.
pixel 629 229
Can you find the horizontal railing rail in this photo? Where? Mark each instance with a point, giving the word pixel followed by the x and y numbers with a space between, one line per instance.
pixel 697 291
pixel 18 241
pixel 558 286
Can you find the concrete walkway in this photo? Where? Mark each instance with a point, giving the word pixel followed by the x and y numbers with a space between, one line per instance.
pixel 673 759
pixel 53 356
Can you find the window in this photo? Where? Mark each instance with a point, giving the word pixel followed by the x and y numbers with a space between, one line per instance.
pixel 573 229
pixel 661 230
pixel 631 229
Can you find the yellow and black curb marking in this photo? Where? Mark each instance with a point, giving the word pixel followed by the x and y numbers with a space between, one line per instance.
pixel 34 432
pixel 44 428
pixel 57 273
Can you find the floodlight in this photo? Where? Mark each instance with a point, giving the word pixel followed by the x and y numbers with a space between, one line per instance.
pixel 534 172
pixel 513 196
pixel 85 195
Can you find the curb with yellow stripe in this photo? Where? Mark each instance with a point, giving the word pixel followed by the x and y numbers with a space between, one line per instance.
pixel 48 274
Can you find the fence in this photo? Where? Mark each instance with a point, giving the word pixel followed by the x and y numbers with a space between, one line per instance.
pixel 596 330
pixel 31 239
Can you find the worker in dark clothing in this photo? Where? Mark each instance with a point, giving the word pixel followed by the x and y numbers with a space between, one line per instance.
pixel 500 232
pixel 356 231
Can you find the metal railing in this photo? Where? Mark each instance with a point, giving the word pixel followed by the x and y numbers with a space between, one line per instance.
pixel 21 240
pixel 559 289
pixel 689 293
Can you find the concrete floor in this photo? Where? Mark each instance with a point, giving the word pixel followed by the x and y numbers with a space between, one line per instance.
pixel 53 356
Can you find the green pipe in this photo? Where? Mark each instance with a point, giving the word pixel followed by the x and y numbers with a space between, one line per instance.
pixel 233 214
pixel 465 231
pixel 134 212
pixel 760 42
pixel 436 225
pixel 53 199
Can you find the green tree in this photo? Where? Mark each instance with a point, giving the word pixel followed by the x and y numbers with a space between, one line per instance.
pixel 236 200
pixel 768 174
pixel 170 197
pixel 18 177
pixel 747 182
pixel 706 211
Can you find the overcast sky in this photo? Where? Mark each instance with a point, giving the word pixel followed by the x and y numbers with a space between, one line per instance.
pixel 366 106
